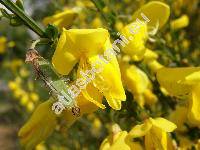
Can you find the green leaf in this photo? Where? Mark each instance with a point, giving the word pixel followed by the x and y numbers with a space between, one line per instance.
pixel 99 3
pixel 57 85
pixel 15 21
pixel 51 32
pixel 19 3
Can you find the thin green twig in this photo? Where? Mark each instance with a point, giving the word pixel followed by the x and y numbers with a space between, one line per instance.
pixel 23 16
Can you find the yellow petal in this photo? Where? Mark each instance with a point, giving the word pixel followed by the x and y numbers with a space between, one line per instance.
pixel 36 129
pixel 154 66
pixel 76 43
pixel 89 98
pixel 194 105
pixel 2 44
pixel 108 81
pixel 156 139
pixel 193 78
pixel 137 36
pixel 135 145
pixel 150 58
pixel 134 79
pixel 179 23
pixel 64 57
pixel 61 20
pixel 179 117
pixel 171 145
pixel 87 41
pixel 150 97
pixel 150 55
pixel 114 142
pixel 140 130
pixel 157 12
pixel 163 124
pixel 84 100
pixel 174 80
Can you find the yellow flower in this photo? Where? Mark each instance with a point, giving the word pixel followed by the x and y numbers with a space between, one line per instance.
pixel 24 72
pixel 155 132
pixel 24 99
pixel 136 46
pixel 41 147
pixel 150 58
pixel 119 25
pixel 85 106
pixel 137 82
pixel 179 117
pixel 11 44
pixel 96 127
pixel 40 126
pixel 119 140
pixel 151 16
pixel 19 92
pixel 183 83
pixel 87 47
pixel 157 12
pixel 179 23
pixel 3 41
pixel 13 85
pixel 84 3
pixel 97 23
pixel 36 130
pixel 116 141
pixel 30 106
pixel 34 96
pixel 62 19
pixel 14 64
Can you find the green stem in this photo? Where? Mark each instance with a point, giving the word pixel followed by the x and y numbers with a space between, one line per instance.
pixel 109 17
pixel 21 14
pixel 39 41
pixel 100 7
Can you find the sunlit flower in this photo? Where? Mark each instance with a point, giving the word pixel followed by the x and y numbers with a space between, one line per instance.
pixel 152 17
pixel 62 19
pixel 150 58
pixel 41 147
pixel 179 23
pixel 85 46
pixel 183 83
pixel 119 25
pixel 13 64
pixel 3 41
pixel 39 127
pixel 118 140
pixel 155 132
pixel 179 117
pixel 36 129
pixel 84 3
pixel 26 97
pixel 137 82
pixel 34 96
pixel 96 23
pixel 135 47
pixel 24 72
